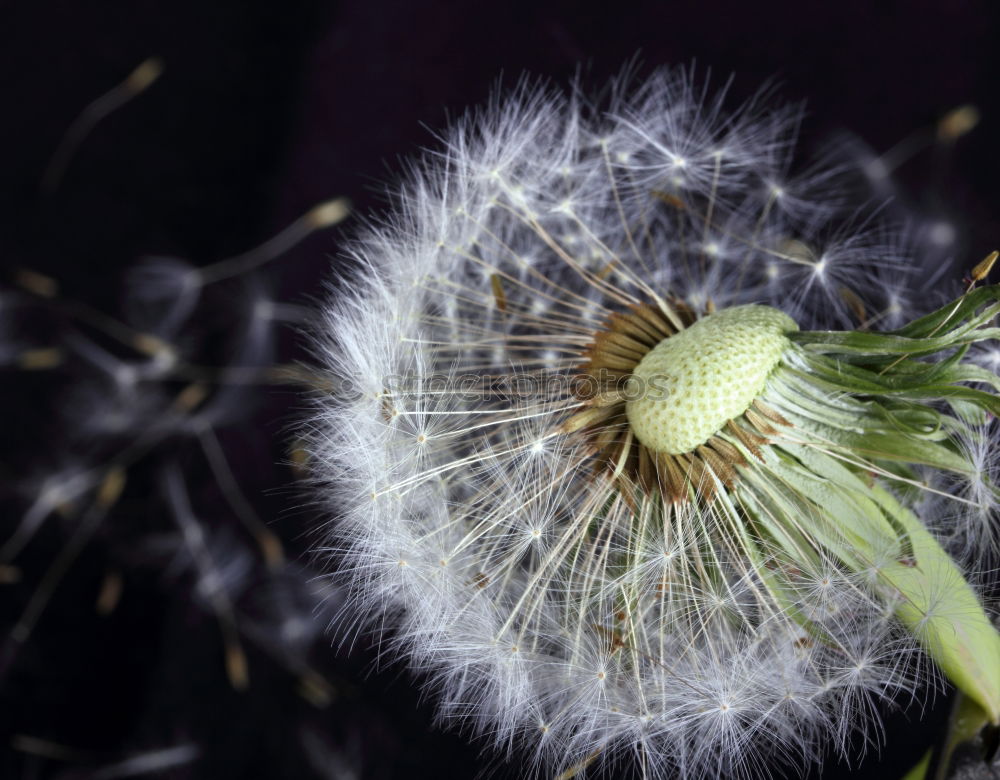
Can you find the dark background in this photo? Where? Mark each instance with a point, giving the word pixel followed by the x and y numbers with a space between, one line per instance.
pixel 263 110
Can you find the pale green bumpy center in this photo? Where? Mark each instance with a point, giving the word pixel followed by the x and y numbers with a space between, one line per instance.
pixel 691 384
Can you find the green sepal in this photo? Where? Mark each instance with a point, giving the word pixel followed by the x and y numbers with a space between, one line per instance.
pixel 954 311
pixel 941 610
pixel 879 345
pixel 865 529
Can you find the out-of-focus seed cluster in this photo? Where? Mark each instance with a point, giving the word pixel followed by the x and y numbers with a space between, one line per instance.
pixel 148 435
pixel 141 469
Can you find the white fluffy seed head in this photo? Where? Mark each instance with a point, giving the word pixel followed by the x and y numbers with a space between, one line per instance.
pixel 548 605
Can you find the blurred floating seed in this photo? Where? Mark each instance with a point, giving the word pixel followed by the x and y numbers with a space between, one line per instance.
pixel 219 599
pixel 949 128
pixel 328 214
pixel 110 593
pixel 143 76
pixel 141 763
pixel 957 122
pixel 854 302
pixel 137 82
pixel 151 345
pixel 148 762
pixel 34 282
pixel 111 487
pixel 236 666
pixel 46 748
pixel 190 397
pixel 291 373
pixel 298 458
pixel 161 293
pixel 797 252
pixel 269 544
pixel 107 494
pixel 272 549
pixel 40 359
pixel 315 689
pixel 322 216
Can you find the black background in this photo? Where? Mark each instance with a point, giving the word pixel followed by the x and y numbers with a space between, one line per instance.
pixel 265 109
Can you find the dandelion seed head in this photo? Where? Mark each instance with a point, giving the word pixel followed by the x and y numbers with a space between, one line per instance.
pixel 708 579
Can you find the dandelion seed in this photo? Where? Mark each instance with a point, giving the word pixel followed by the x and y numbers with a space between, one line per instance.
pixel 702 537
